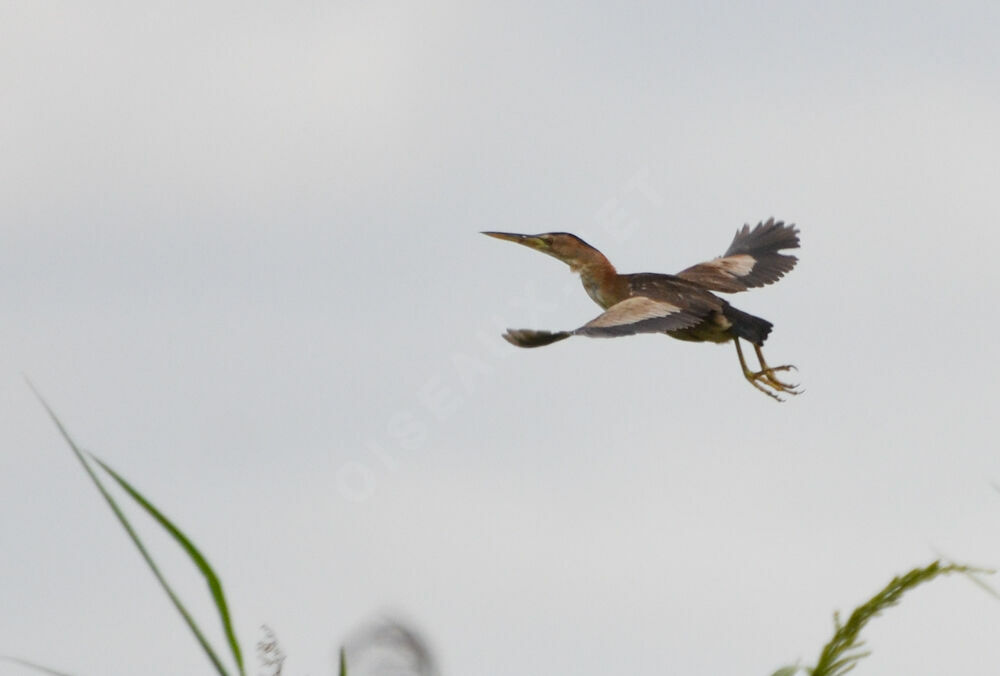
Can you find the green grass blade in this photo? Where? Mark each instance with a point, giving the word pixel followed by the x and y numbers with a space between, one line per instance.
pixel 342 671
pixel 214 584
pixel 32 665
pixel 206 647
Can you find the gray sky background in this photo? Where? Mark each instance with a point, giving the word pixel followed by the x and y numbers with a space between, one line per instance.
pixel 239 256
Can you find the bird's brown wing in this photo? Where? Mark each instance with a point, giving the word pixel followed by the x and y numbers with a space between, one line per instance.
pixel 658 304
pixel 752 259
pixel 639 314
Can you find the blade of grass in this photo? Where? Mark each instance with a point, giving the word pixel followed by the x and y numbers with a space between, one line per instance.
pixel 32 665
pixel 202 641
pixel 214 584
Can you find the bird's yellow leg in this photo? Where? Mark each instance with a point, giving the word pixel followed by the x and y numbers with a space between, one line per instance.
pixel 755 378
pixel 768 374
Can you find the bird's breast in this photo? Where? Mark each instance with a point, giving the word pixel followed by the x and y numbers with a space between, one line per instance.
pixel 603 286
pixel 597 293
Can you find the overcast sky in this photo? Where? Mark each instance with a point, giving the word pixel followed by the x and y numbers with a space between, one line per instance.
pixel 240 257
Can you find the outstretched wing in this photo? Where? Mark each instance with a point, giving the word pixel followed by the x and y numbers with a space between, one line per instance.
pixel 752 259
pixel 639 314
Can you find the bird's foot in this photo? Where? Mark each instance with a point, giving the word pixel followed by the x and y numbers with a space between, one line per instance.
pixel 766 378
pixel 773 380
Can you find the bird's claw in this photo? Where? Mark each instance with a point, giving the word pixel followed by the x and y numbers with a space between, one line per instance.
pixel 766 377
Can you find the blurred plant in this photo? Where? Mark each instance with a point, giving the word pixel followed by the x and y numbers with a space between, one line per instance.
pixel 269 653
pixel 31 665
pixel 843 651
pixel 388 647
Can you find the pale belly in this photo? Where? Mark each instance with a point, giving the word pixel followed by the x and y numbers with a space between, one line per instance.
pixel 715 329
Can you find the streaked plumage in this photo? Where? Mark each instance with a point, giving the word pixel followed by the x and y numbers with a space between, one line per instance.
pixel 682 305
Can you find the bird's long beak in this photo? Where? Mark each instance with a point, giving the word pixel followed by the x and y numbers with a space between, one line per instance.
pixel 527 240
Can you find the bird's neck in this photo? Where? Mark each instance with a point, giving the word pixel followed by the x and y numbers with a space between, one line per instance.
pixel 602 282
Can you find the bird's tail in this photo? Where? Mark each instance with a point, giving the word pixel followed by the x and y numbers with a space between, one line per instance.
pixel 532 338
pixel 747 326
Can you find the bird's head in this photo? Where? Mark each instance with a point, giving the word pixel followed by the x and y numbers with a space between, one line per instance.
pixel 568 248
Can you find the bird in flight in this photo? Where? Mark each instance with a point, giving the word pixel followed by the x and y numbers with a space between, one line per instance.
pixel 683 306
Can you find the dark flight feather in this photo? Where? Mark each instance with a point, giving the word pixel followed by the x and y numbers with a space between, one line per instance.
pixel 533 338
pixel 751 261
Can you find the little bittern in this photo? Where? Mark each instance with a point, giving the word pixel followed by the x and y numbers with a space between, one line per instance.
pixel 682 305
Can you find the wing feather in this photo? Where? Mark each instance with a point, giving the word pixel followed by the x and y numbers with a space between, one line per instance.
pixel 751 261
pixel 639 314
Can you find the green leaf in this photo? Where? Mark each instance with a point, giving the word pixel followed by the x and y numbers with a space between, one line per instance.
pixel 214 584
pixel 188 619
